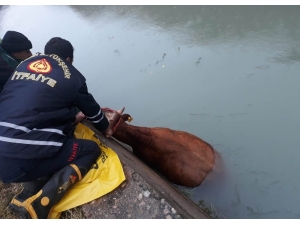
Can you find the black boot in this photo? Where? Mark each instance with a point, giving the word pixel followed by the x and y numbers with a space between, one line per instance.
pixel 30 188
pixel 39 205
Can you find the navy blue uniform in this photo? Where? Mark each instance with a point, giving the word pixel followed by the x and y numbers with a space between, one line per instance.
pixel 40 100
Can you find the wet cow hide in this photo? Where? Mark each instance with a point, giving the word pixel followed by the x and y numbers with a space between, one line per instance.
pixel 182 158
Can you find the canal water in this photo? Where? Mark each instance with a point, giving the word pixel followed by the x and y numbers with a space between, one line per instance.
pixel 227 74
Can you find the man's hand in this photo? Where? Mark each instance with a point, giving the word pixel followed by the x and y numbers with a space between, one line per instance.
pixel 108 132
pixel 79 117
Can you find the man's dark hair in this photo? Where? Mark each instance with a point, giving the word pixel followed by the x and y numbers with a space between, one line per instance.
pixel 60 47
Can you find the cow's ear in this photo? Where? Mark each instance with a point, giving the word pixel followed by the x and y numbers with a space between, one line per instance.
pixel 126 117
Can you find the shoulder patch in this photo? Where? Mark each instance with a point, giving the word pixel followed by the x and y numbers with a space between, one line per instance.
pixel 40 66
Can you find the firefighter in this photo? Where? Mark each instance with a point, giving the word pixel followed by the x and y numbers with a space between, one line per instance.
pixel 41 101
pixel 14 48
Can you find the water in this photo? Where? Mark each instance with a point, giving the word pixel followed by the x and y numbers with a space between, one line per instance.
pixel 228 74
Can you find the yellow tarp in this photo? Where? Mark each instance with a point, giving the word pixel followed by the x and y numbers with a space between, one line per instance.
pixel 105 176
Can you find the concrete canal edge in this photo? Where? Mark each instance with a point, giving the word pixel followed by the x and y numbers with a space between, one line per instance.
pixel 143 195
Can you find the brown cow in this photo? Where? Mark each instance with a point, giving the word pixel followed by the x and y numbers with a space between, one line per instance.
pixel 182 158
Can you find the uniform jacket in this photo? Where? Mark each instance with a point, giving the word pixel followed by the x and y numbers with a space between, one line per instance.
pixel 40 100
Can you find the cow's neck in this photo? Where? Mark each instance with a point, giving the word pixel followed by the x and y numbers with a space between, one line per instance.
pixel 132 135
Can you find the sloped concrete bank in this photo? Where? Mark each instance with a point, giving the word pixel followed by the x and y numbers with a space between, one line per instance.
pixel 143 195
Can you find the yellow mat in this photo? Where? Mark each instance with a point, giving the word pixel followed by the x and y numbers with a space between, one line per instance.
pixel 105 176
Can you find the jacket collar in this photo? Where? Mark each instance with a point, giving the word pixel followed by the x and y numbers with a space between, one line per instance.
pixel 9 58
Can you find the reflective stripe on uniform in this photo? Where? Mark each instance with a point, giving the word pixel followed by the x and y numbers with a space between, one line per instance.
pixel 25 129
pixel 29 142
